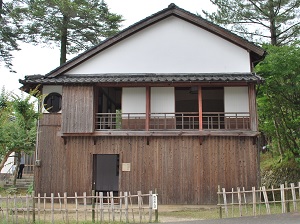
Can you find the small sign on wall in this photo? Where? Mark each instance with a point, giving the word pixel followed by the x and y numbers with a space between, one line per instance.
pixel 126 167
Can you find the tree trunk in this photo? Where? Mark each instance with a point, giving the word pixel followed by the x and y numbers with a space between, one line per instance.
pixel 64 40
pixel 1 8
pixel 272 23
pixel 3 161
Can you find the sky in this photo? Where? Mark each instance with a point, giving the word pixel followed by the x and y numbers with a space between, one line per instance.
pixel 31 60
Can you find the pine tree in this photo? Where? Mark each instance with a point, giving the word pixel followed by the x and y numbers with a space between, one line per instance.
pixel 74 25
pixel 274 21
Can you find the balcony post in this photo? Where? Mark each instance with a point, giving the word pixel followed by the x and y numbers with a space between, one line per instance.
pixel 148 109
pixel 200 107
pixel 252 107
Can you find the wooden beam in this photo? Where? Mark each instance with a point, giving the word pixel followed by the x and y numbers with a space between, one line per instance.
pixel 200 107
pixel 166 133
pixel 148 108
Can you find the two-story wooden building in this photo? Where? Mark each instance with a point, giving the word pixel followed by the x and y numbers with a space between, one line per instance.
pixel 167 103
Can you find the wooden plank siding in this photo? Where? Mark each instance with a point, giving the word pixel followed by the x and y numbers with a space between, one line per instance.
pixel 78 109
pixel 184 169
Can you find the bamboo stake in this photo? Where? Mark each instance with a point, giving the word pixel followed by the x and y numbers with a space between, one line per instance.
pixel 274 199
pixel 76 206
pixel 254 201
pixel 52 208
pixel 140 206
pixel 97 206
pixel 240 201
pixel 232 200
pixel 16 209
pixel 60 206
pixel 44 207
pixel 131 206
pixel 294 196
pixel 150 206
pixel 101 207
pixel 283 209
pixel 126 206
pixel 93 206
pixel 245 200
pixel 266 200
pixel 39 207
pixel 219 202
pixel 112 205
pixel 27 208
pixel 156 211
pixel 225 204
pixel 84 205
pixel 120 205
pixel 7 211
pixel 108 205
pixel 66 207
pixel 33 206
pixel 259 201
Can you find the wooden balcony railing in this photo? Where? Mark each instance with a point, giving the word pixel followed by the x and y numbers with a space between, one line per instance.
pixel 173 121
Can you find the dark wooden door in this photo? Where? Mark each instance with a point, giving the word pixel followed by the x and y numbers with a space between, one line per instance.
pixel 106 172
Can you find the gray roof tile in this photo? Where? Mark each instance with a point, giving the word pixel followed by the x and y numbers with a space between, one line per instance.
pixel 143 78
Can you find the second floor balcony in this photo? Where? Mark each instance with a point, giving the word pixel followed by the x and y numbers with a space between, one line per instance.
pixel 172 121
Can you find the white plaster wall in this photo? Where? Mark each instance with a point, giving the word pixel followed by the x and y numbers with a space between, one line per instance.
pixel 163 100
pixel 169 46
pixel 236 99
pixel 50 89
pixel 134 100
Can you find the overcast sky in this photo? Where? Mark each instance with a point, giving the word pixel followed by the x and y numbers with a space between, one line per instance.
pixel 40 60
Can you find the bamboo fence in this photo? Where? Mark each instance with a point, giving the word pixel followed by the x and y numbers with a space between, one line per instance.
pixel 258 201
pixel 96 208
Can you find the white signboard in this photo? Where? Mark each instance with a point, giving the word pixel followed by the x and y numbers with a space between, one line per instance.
pixel 154 201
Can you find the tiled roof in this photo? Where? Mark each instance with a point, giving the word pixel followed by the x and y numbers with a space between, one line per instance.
pixel 143 78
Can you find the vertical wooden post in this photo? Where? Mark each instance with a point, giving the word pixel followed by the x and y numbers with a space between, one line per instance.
pixel 76 206
pixel 283 205
pixel 150 206
pixel 126 206
pixel 148 108
pixel 225 201
pixel 93 206
pixel 52 208
pixel 252 107
pixel 156 211
pixel 66 207
pixel 254 201
pixel 200 107
pixel 219 201
pixel 294 197
pixel 287 198
pixel 33 207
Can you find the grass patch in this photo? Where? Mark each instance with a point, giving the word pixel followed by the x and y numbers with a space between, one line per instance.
pixel 193 213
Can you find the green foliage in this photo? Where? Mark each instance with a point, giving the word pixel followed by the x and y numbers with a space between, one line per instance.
pixel 279 100
pixel 74 25
pixel 274 20
pixel 11 190
pixel 30 188
pixel 275 171
pixel 11 17
pixel 18 119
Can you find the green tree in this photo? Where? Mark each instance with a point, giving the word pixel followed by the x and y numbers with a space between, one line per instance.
pixel 274 21
pixel 279 100
pixel 11 17
pixel 74 25
pixel 18 118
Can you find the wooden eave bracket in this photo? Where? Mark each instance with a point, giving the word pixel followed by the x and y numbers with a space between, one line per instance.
pixel 201 139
